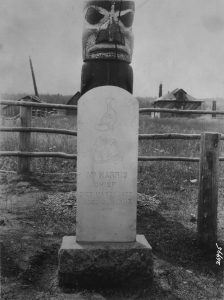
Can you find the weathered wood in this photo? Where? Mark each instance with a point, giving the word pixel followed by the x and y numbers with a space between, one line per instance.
pixel 141 110
pixel 214 108
pixel 39 129
pixel 169 136
pixel 178 111
pixel 24 140
pixel 168 158
pixel 34 104
pixel 37 154
pixel 73 156
pixel 208 189
pixel 153 136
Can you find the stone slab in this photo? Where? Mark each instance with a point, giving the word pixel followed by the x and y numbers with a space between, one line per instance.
pixel 107 148
pixel 104 264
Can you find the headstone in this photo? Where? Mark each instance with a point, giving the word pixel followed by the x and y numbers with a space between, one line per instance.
pixel 107 166
pixel 106 250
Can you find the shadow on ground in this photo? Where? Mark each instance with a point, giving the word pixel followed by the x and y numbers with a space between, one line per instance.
pixel 178 245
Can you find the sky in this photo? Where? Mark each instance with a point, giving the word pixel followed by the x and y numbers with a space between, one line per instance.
pixel 179 43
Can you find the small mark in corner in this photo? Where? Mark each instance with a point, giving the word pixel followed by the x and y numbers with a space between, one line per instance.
pixel 219 255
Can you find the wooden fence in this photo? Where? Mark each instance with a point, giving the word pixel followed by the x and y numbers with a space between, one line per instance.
pixel 208 160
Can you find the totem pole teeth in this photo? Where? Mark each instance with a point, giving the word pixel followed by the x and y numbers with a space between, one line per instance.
pixel 108 47
pixel 107 30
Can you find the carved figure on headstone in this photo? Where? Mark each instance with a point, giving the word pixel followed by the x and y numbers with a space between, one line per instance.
pixel 109 118
pixel 107 44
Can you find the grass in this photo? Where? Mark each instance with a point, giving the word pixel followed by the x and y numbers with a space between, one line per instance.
pixel 43 143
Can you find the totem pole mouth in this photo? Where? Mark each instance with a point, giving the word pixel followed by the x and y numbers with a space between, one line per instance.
pixel 108 47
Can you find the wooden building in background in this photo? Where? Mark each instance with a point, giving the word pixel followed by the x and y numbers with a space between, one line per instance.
pixel 177 99
pixel 10 111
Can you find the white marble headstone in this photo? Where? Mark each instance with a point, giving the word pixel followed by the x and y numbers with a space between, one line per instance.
pixel 108 120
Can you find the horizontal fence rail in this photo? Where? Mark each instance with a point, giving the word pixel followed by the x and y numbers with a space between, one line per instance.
pixel 141 110
pixel 74 156
pixel 181 111
pixel 34 104
pixel 38 129
pixel 38 154
pixel 169 136
pixel 168 158
pixel 153 136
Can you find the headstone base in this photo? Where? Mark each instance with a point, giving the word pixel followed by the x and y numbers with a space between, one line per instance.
pixel 104 264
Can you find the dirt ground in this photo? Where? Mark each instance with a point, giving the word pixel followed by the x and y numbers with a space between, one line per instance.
pixel 37 211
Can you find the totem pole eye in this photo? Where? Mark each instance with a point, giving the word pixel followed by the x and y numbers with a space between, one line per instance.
pixel 127 19
pixel 93 16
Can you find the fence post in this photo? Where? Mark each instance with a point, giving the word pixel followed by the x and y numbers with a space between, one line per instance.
pixel 214 108
pixel 208 189
pixel 24 140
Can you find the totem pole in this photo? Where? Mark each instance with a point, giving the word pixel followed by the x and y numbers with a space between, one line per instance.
pixel 34 79
pixel 107 44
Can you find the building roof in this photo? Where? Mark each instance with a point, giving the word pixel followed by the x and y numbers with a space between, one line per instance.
pixel 172 95
pixel 26 98
pixel 31 98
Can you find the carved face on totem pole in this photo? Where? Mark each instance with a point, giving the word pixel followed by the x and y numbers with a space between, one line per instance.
pixel 108 30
